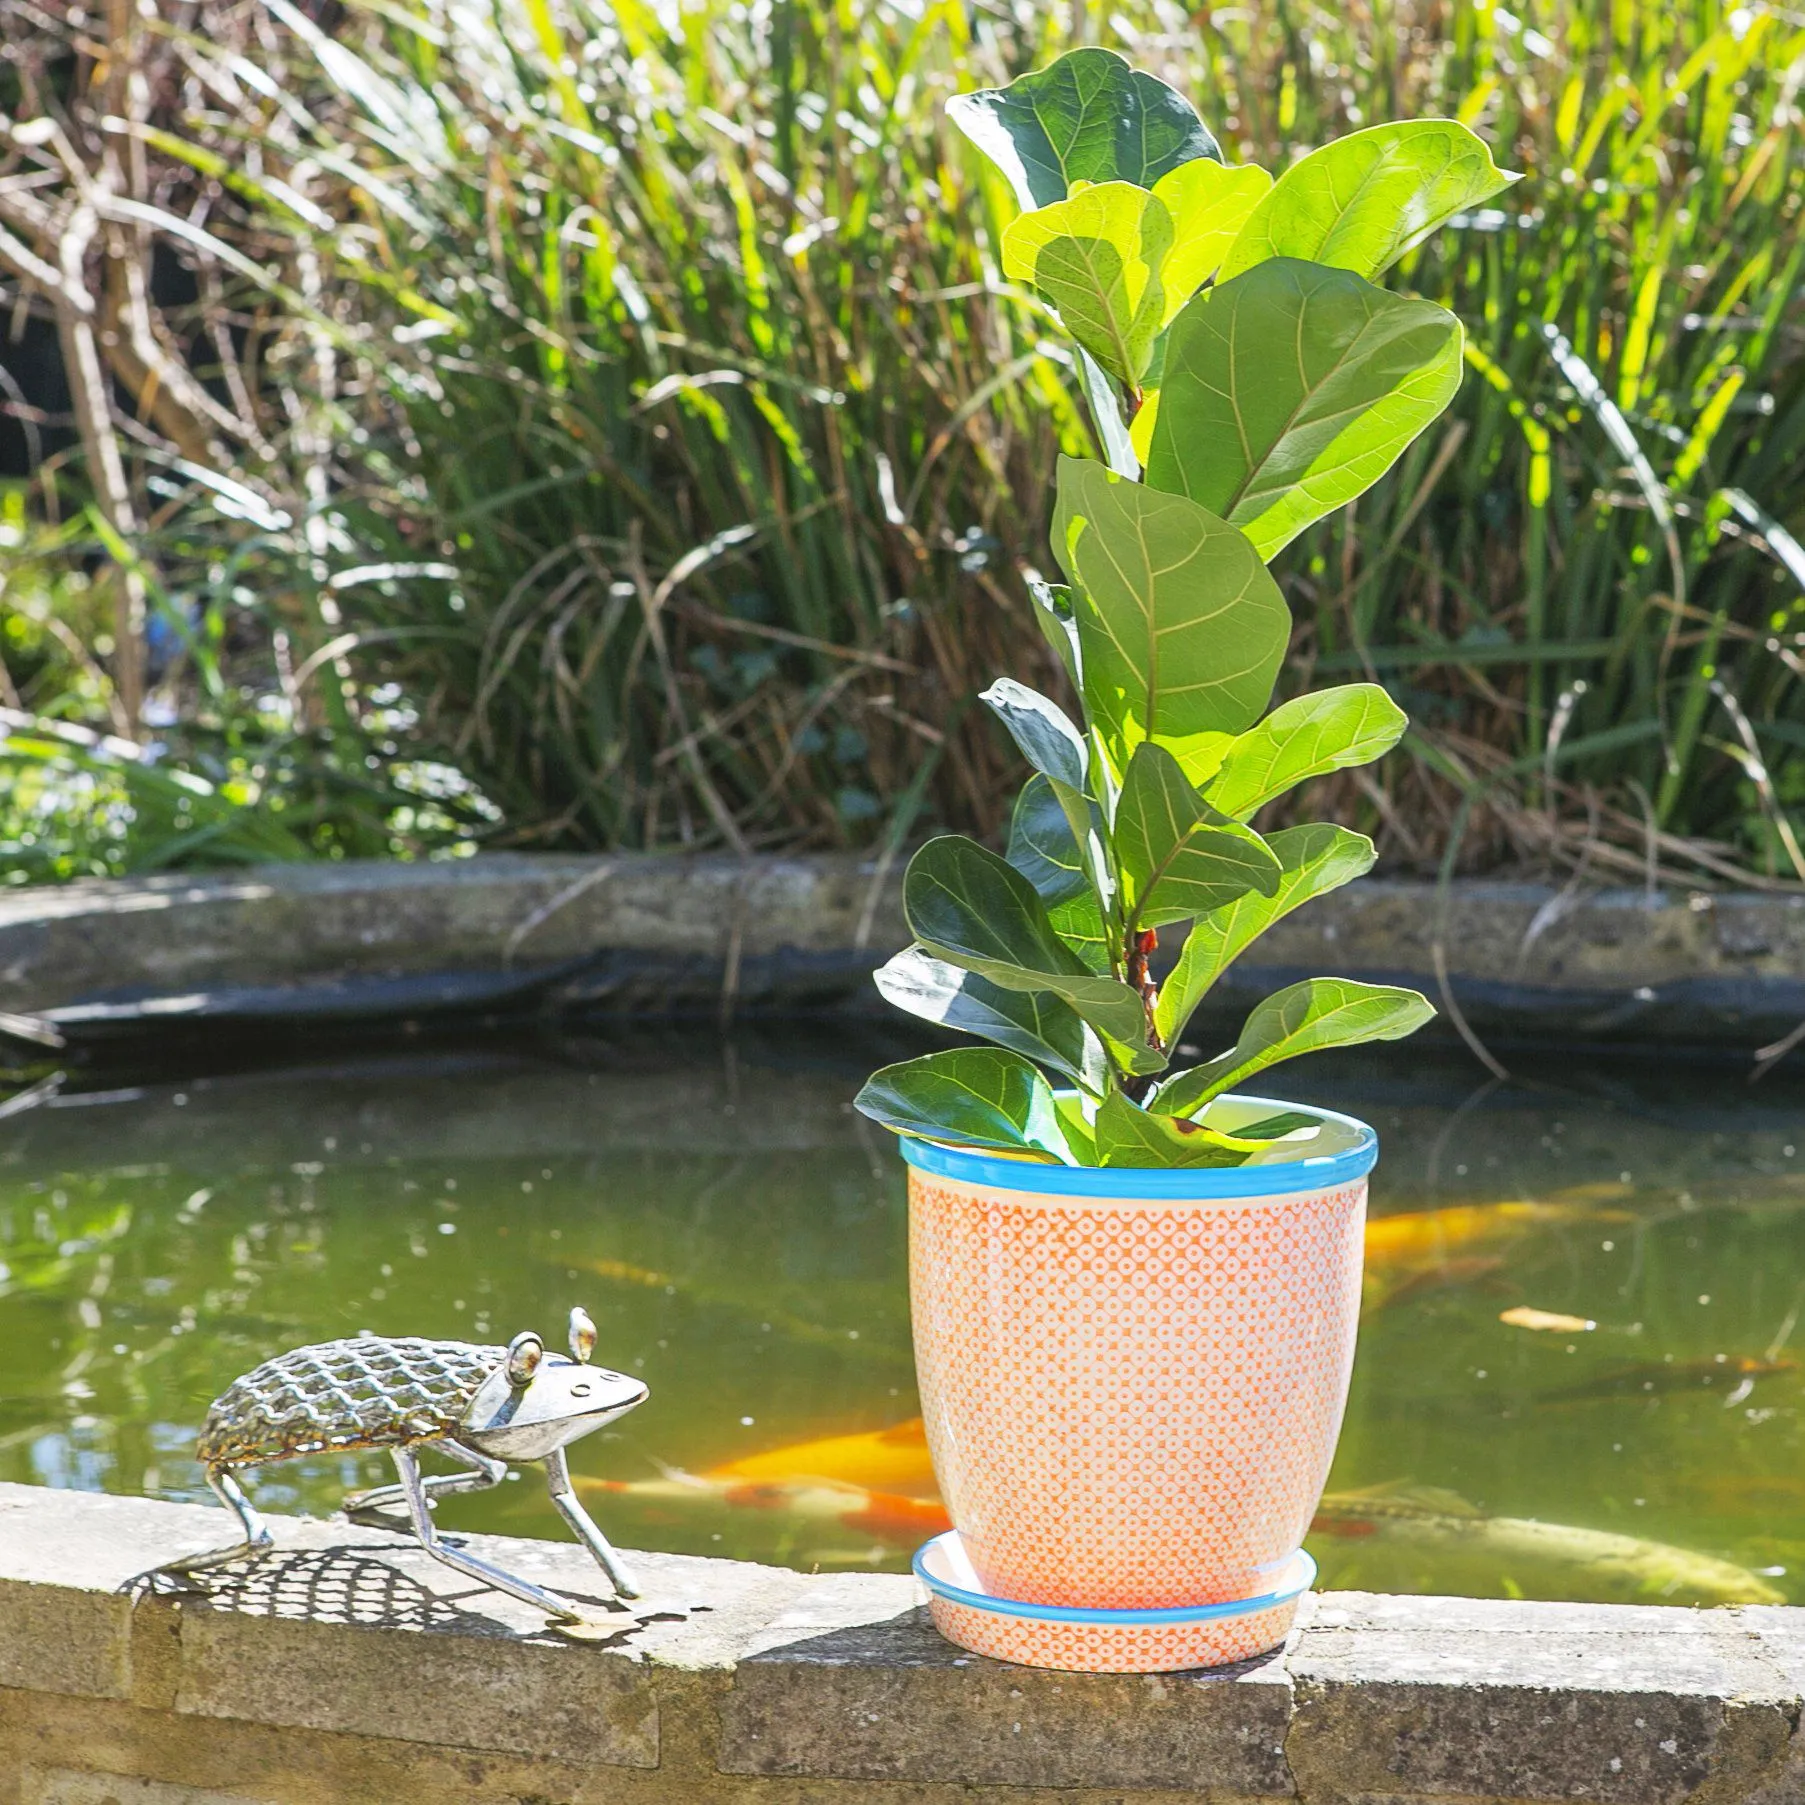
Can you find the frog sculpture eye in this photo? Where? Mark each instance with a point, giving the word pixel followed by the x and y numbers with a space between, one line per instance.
pixel 525 1352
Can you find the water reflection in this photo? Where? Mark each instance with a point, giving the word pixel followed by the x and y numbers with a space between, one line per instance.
pixel 1582 1307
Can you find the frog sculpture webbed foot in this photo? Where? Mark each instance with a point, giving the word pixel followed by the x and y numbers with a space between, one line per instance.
pixel 482 1407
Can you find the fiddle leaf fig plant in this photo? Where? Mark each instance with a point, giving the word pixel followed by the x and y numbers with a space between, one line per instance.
pixel 1246 376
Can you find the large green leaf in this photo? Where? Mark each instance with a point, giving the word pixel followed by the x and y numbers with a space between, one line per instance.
pixel 1293 388
pixel 1363 201
pixel 1177 856
pixel 1181 627
pixel 973 909
pixel 1329 730
pixel 1312 861
pixel 1032 1023
pixel 1089 117
pixel 1127 1135
pixel 1041 845
pixel 1097 257
pixel 1043 850
pixel 973 1096
pixel 1209 204
pixel 1303 1018
pixel 1042 729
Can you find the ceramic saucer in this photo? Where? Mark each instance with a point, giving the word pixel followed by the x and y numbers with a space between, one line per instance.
pixel 1092 1641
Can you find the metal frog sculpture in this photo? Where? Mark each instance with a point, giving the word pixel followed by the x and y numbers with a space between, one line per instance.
pixel 483 1407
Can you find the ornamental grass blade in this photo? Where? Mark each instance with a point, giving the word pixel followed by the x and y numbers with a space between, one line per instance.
pixel 1331 730
pixel 1127 1135
pixel 1291 390
pixel 1313 860
pixel 973 909
pixel 1033 1023
pixel 1303 1018
pixel 1181 626
pixel 1177 856
pixel 1361 202
pixel 1089 117
pixel 973 1097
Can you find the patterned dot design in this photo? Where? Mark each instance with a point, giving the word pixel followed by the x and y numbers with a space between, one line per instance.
pixel 1132 1405
pixel 1110 1647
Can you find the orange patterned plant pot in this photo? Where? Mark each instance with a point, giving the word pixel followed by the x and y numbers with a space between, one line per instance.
pixel 1133 1381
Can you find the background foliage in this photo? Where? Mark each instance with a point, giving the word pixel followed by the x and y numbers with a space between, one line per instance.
pixel 611 426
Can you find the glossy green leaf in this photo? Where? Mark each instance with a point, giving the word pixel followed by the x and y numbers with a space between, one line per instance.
pixel 973 909
pixel 1041 846
pixel 1312 861
pixel 1209 204
pixel 1181 627
pixel 1363 201
pixel 1053 615
pixel 1097 257
pixel 1079 1135
pixel 1089 117
pixel 972 1096
pixel 1127 1135
pixel 1276 1127
pixel 1305 737
pixel 1291 390
pixel 1033 1023
pixel 1043 731
pixel 1177 856
pixel 1303 1018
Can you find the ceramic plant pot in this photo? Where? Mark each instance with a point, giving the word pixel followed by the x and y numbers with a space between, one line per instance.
pixel 1133 1381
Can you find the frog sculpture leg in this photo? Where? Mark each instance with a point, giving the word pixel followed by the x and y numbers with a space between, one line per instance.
pixel 529 1407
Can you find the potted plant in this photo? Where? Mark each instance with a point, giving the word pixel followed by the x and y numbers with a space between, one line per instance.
pixel 1135 1288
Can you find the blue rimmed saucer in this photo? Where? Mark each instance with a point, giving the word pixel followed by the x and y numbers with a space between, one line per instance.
pixel 1081 1640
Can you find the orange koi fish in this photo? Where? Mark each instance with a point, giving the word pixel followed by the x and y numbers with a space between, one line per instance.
pixel 1526 1316
pixel 1424 1539
pixel 884 1516
pixel 1449 1275
pixel 881 1460
pixel 1426 1237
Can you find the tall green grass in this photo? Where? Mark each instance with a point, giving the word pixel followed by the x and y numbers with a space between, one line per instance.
pixel 689 443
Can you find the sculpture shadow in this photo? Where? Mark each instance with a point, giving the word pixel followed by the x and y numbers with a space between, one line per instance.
pixel 321 1585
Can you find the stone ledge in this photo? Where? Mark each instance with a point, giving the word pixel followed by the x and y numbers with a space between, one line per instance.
pixel 307 1678
pixel 511 935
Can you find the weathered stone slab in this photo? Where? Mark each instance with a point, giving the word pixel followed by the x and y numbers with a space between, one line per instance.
pixel 509 934
pixel 1779 1641
pixel 348 1669
pixel 1466 1698
pixel 449 1691
pixel 893 1701
pixel 65 1786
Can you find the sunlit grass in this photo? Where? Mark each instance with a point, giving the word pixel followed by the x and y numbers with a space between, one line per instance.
pixel 685 372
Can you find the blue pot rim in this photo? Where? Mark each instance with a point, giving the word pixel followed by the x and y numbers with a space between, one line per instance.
pixel 1285 1178
pixel 1062 1613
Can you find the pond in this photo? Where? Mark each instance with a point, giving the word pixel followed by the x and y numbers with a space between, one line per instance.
pixel 738 1234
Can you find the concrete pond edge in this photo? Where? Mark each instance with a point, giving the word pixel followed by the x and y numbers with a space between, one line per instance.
pixel 345 948
pixel 348 1669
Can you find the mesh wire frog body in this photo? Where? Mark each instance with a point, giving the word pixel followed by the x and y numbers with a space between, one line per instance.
pixel 480 1406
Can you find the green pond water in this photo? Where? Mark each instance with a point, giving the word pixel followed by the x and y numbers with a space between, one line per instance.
pixel 738 1234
